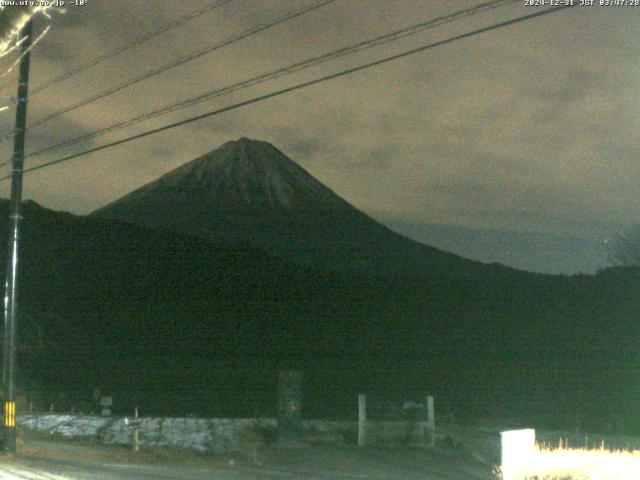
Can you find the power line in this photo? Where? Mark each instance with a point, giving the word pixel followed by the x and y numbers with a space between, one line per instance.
pixel 134 43
pixel 280 72
pixel 299 86
pixel 182 60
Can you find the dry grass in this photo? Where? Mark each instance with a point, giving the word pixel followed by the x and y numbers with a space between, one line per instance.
pixel 564 463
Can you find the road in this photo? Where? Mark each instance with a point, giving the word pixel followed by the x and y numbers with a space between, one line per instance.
pixel 42 458
pixel 56 470
pixel 53 460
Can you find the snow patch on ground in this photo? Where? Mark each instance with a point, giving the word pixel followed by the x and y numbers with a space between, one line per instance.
pixel 216 435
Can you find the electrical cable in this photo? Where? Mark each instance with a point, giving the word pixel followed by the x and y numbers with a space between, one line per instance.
pixel 298 87
pixel 180 61
pixel 280 72
pixel 134 43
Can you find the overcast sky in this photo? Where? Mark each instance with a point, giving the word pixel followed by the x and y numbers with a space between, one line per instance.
pixel 529 129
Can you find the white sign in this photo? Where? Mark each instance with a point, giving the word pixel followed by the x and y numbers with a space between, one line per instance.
pixel 518 452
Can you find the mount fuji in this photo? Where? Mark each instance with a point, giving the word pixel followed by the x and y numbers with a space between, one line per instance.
pixel 249 192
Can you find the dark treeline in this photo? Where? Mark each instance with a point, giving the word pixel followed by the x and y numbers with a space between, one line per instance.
pixel 179 325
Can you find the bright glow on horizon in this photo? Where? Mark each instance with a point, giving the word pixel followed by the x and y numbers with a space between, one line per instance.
pixel 520 462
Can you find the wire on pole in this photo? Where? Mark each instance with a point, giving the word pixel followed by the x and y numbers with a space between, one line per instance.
pixel 117 51
pixel 179 61
pixel 281 72
pixel 299 86
pixel 134 43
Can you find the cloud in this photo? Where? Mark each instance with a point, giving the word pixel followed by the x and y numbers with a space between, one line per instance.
pixel 532 127
pixel 300 147
pixel 53 52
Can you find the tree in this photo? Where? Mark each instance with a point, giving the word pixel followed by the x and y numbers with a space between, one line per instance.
pixel 624 248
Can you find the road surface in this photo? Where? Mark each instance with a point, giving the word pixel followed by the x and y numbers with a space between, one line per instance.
pixel 45 459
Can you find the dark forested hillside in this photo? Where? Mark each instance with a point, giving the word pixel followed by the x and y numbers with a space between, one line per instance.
pixel 183 325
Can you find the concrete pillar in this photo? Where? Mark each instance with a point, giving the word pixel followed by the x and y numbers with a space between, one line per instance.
pixel 290 433
pixel 362 420
pixel 431 421
pixel 136 432
pixel 424 430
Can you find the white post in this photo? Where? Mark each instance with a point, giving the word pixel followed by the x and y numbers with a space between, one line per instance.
pixel 431 420
pixel 518 452
pixel 136 438
pixel 362 420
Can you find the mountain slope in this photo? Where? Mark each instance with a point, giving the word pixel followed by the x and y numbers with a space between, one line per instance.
pixel 100 299
pixel 249 191
pixel 183 325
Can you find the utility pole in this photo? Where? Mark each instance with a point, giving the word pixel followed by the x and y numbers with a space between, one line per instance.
pixel 11 286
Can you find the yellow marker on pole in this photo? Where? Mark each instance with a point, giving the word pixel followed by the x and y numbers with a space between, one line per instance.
pixel 9 414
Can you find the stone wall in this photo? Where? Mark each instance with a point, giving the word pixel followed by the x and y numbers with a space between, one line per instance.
pixel 214 435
